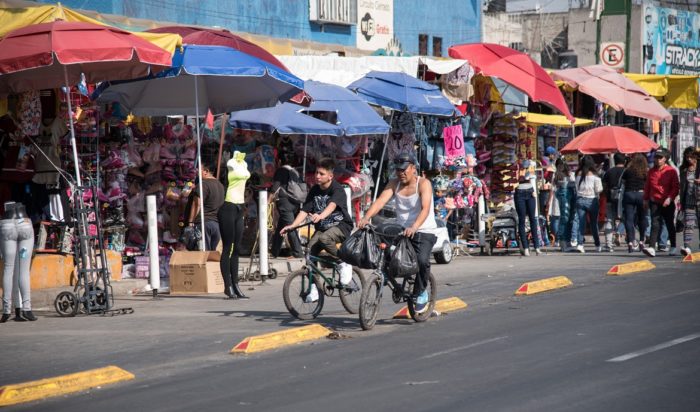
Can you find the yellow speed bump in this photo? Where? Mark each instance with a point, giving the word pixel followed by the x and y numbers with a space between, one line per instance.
pixel 692 258
pixel 632 267
pixel 442 305
pixel 274 340
pixel 543 285
pixel 61 385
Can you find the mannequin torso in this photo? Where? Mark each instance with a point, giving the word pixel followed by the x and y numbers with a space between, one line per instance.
pixel 238 174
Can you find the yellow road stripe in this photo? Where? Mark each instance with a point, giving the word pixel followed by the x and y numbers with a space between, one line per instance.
pixel 61 385
pixel 442 305
pixel 279 339
pixel 632 267
pixel 543 285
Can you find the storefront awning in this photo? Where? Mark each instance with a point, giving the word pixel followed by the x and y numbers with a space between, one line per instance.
pixel 672 91
pixel 538 119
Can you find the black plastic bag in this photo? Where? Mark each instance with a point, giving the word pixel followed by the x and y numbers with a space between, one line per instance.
pixel 404 260
pixel 191 236
pixel 361 249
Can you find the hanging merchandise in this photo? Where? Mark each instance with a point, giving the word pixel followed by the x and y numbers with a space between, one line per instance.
pixel 503 158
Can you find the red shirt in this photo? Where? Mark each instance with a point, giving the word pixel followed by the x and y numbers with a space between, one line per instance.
pixel 662 183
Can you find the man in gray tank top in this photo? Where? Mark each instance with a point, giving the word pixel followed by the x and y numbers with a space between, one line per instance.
pixel 413 197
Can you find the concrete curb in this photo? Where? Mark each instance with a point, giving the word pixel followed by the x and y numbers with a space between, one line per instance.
pixel 543 285
pixel 632 267
pixel 279 339
pixel 441 306
pixel 61 385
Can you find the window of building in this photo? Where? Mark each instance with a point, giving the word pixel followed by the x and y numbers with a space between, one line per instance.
pixel 518 45
pixel 423 44
pixel 437 46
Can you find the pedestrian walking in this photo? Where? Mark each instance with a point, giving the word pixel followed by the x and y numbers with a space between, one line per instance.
pixel 634 178
pixel 690 196
pixel 660 191
pixel 562 198
pixel 612 180
pixel 588 189
pixel 525 205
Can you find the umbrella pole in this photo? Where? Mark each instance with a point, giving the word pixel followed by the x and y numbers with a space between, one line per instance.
pixel 73 144
pixel 224 119
pixel 303 167
pixel 199 160
pixel 381 160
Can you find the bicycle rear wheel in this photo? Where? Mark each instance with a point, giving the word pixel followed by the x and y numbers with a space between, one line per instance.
pixel 295 292
pixel 432 293
pixel 351 293
pixel 370 301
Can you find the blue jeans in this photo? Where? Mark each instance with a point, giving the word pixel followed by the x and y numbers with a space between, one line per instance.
pixel 565 197
pixel 525 206
pixel 586 206
pixel 554 226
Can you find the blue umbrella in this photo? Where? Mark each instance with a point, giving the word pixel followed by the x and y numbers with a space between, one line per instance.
pixel 399 91
pixel 286 118
pixel 205 77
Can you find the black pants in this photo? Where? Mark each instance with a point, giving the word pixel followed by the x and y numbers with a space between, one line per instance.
pixel 659 213
pixel 231 226
pixel 525 205
pixel 635 214
pixel 286 211
pixel 423 245
pixel 212 234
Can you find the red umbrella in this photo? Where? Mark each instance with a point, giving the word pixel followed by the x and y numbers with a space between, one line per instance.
pixel 610 139
pixel 514 68
pixel 220 37
pixel 51 55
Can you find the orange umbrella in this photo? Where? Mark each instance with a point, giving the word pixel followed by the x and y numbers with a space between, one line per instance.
pixel 610 139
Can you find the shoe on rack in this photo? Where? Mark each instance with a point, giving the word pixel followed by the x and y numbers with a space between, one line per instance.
pixel 686 251
pixel 313 295
pixel 649 251
pixel 580 248
pixel 673 251
pixel 422 302
pixel 345 273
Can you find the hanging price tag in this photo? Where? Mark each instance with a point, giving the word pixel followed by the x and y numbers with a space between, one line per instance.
pixel 454 141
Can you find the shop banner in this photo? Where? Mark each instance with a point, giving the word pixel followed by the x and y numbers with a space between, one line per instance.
pixel 454 141
pixel 671 41
pixel 375 24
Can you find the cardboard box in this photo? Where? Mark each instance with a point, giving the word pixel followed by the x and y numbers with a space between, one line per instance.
pixel 195 272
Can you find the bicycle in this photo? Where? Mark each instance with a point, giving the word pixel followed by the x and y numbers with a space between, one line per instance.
pixel 400 291
pixel 298 285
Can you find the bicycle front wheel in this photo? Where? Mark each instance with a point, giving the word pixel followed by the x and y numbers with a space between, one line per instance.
pixel 299 297
pixel 351 293
pixel 370 301
pixel 431 287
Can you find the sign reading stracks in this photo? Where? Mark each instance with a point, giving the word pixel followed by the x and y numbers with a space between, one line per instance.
pixel 375 24
pixel 671 41
pixel 612 55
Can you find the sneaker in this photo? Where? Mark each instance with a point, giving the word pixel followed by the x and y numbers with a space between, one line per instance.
pixel 526 252
pixel 663 248
pixel 599 249
pixel 609 249
pixel 631 247
pixel 345 273
pixel 673 251
pixel 422 302
pixel 538 251
pixel 580 248
pixel 686 251
pixel 649 251
pixel 313 295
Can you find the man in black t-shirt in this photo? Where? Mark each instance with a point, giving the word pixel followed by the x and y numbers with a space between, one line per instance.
pixel 611 183
pixel 214 193
pixel 326 206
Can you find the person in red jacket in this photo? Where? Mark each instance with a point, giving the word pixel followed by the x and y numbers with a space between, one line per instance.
pixel 660 192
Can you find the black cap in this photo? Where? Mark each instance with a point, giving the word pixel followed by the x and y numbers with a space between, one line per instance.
pixel 663 153
pixel 403 160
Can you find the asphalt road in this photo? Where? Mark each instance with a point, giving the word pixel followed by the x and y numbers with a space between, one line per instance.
pixel 606 343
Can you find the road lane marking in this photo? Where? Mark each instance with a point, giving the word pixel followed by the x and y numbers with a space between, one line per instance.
pixel 465 347
pixel 654 348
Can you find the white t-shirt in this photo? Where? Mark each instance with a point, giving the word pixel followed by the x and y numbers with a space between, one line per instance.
pixel 590 187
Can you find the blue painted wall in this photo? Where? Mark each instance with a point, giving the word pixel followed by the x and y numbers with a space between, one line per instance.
pixel 456 21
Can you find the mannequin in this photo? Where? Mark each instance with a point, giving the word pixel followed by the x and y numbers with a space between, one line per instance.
pixel 17 245
pixel 231 223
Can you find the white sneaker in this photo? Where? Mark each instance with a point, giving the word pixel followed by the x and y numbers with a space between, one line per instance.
pixel 649 251
pixel 580 248
pixel 526 252
pixel 538 251
pixel 313 295
pixel 599 249
pixel 673 251
pixel 345 270
pixel 686 251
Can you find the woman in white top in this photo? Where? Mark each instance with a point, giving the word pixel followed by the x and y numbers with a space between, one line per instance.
pixel 588 188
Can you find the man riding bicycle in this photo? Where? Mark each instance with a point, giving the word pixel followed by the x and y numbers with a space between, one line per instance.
pixel 326 206
pixel 413 198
